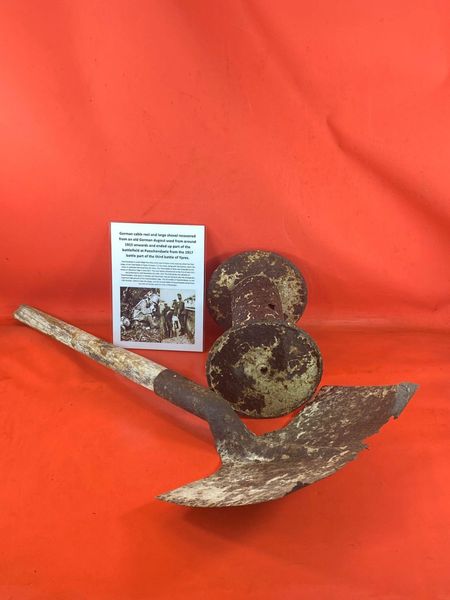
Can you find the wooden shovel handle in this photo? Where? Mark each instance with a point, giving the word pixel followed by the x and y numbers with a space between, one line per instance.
pixel 134 367
pixel 225 425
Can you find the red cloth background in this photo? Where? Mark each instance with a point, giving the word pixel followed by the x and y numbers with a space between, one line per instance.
pixel 319 130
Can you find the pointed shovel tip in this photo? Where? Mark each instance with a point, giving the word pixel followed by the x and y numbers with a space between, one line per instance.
pixel 405 391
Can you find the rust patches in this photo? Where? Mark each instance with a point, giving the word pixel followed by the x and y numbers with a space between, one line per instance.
pixel 264 369
pixel 283 274
pixel 263 365
pixel 323 438
pixel 255 298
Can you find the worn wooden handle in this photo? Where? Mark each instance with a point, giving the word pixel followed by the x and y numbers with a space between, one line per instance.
pixel 130 365
pixel 228 430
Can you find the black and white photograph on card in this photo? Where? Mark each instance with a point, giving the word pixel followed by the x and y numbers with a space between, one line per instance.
pixel 155 315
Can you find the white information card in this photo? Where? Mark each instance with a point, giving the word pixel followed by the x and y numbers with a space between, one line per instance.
pixel 158 285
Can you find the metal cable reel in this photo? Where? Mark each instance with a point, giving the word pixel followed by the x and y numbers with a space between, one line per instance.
pixel 263 365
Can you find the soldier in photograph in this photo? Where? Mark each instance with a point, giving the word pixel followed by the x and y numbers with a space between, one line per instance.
pixel 179 308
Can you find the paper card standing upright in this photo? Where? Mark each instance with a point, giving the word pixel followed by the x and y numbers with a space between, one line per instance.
pixel 158 286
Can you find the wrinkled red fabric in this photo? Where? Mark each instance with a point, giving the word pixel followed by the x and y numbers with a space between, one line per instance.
pixel 319 130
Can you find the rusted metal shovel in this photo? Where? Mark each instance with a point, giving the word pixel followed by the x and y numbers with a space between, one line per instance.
pixel 327 434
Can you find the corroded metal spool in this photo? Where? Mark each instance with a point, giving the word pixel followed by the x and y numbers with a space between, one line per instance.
pixel 263 365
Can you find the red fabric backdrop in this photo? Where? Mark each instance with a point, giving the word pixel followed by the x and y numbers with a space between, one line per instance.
pixel 319 130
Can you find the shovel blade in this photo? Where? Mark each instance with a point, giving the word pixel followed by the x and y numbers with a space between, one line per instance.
pixel 240 484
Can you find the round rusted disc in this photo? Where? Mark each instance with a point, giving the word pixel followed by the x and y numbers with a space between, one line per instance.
pixel 284 274
pixel 264 369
